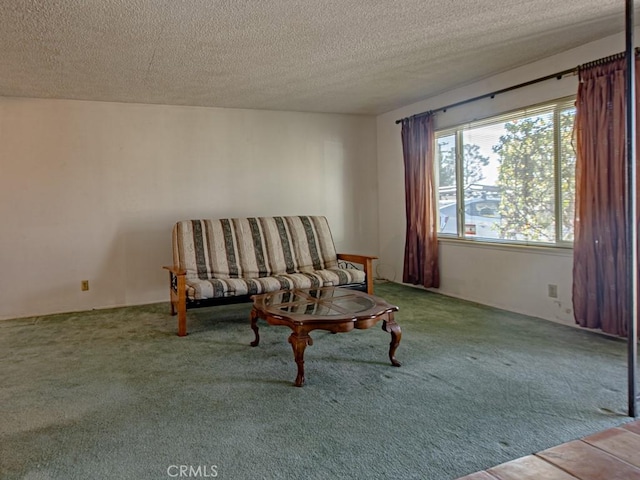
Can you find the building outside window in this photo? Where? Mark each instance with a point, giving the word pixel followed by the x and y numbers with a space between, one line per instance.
pixel 509 178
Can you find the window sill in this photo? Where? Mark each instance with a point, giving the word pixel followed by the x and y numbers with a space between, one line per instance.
pixel 509 247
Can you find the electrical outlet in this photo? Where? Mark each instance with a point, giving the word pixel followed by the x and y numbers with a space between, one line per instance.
pixel 553 290
pixel 84 285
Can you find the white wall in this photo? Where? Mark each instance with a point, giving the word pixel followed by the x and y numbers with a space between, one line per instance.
pixel 511 278
pixel 90 190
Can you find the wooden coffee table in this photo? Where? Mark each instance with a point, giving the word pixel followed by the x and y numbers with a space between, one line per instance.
pixel 327 308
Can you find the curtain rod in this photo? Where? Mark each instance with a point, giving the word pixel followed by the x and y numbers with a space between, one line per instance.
pixel 605 60
pixel 558 75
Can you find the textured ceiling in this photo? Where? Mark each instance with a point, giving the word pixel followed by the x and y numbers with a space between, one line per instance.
pixel 345 56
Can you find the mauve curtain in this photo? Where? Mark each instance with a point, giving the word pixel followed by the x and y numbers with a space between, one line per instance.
pixel 421 244
pixel 600 281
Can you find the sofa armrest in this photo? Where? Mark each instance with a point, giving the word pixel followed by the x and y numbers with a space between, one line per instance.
pixel 175 270
pixel 366 261
pixel 177 278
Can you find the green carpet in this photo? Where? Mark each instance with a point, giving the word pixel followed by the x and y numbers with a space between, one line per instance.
pixel 116 394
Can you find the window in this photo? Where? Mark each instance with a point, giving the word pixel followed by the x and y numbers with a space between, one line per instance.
pixel 514 174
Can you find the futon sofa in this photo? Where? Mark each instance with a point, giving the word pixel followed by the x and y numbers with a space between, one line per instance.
pixel 228 260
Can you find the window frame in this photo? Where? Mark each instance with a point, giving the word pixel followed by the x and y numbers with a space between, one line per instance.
pixel 556 107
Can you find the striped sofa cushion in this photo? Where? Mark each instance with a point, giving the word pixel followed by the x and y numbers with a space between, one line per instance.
pixel 241 256
pixel 198 289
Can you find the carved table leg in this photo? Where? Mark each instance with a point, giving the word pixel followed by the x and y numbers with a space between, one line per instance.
pixel 393 328
pixel 299 343
pixel 254 326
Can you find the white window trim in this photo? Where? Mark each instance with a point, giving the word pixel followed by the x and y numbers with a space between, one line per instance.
pixel 562 247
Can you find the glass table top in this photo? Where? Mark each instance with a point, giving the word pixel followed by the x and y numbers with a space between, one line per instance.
pixel 320 302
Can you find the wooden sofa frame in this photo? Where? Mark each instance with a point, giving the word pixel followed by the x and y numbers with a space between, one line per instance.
pixel 281 250
pixel 180 303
